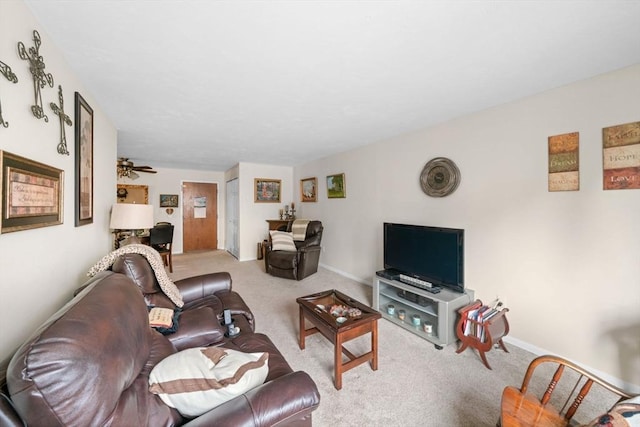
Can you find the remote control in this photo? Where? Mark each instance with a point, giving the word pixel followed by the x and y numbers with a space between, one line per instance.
pixel 227 317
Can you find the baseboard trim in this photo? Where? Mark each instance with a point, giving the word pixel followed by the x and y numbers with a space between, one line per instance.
pixel 347 275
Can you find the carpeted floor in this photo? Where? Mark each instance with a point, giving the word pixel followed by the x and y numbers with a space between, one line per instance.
pixel 415 384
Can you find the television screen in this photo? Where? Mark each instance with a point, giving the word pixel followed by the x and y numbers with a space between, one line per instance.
pixel 433 254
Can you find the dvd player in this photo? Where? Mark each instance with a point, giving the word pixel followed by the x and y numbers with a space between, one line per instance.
pixel 390 274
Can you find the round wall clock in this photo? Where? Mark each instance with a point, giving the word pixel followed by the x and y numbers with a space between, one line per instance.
pixel 440 177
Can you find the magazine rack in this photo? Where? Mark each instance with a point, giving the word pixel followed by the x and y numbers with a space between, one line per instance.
pixel 476 332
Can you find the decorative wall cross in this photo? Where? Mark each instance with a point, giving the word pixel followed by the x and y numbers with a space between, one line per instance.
pixel 6 71
pixel 64 118
pixel 40 78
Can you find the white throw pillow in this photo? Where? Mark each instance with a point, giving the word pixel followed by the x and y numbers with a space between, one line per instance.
pixel 282 241
pixel 196 380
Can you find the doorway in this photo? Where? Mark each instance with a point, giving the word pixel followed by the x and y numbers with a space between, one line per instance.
pixel 199 216
pixel 231 229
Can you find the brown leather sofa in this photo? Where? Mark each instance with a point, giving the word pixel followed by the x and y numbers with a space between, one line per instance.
pixel 300 264
pixel 205 299
pixel 89 363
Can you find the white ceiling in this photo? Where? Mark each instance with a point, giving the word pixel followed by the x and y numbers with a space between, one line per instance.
pixel 204 84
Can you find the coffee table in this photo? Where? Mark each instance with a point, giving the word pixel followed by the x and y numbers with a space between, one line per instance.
pixel 316 308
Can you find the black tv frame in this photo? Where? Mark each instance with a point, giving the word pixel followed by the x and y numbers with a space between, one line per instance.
pixel 408 263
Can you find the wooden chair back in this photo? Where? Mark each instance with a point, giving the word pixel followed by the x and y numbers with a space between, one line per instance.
pixel 523 407
pixel 161 239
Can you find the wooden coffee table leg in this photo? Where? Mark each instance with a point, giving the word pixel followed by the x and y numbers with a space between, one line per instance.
pixel 302 331
pixel 374 345
pixel 338 361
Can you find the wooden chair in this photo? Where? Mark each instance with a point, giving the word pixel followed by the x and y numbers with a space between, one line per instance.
pixel 161 239
pixel 521 407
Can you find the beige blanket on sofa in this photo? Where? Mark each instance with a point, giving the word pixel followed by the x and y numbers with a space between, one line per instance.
pixel 155 261
pixel 299 229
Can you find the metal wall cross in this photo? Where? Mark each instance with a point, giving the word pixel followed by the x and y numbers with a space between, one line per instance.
pixel 40 78
pixel 6 71
pixel 64 119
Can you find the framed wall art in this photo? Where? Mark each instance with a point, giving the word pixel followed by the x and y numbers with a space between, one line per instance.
pixel 336 186
pixel 309 189
pixel 32 194
pixel 564 165
pixel 84 161
pixel 168 200
pixel 267 190
pixel 133 194
pixel 621 156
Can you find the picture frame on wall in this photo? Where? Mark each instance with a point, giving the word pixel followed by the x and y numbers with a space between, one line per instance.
pixel 267 190
pixel 309 189
pixel 621 157
pixel 168 200
pixel 84 161
pixel 32 194
pixel 336 186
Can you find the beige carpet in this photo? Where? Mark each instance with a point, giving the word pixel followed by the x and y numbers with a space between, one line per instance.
pixel 415 384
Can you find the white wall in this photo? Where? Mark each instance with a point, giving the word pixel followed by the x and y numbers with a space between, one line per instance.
pixel 253 226
pixel 40 268
pixel 567 263
pixel 169 181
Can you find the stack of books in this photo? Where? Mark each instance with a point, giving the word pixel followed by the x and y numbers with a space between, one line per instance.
pixel 474 317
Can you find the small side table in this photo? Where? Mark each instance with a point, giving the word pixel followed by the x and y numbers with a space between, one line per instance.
pixel 275 224
pixel 475 332
pixel 316 309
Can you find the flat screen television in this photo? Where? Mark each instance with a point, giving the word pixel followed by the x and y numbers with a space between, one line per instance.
pixel 432 254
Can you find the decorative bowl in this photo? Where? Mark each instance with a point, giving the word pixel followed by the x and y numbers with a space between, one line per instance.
pixel 341 319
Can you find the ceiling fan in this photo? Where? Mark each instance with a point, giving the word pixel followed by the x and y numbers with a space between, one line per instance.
pixel 126 168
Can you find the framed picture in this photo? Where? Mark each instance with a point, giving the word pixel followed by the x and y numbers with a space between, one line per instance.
pixel 168 200
pixel 564 162
pixel 336 186
pixel 133 194
pixel 309 189
pixel 31 194
pixel 621 156
pixel 84 162
pixel 267 190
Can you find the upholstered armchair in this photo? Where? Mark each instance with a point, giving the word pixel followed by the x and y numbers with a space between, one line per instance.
pixel 294 259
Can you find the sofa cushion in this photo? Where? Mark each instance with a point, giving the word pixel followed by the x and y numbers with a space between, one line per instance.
pixel 282 241
pixel 197 380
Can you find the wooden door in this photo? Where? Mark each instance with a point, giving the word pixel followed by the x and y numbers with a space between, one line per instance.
pixel 199 216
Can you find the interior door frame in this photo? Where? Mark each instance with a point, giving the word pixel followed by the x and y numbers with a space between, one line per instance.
pixel 219 217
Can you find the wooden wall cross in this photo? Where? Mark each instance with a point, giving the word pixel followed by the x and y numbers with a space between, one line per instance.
pixel 64 119
pixel 6 71
pixel 40 78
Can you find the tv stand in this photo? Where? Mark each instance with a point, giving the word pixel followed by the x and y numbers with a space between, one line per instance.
pixel 438 310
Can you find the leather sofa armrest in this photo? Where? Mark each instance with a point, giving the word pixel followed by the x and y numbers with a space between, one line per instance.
pixel 233 301
pixel 312 248
pixel 279 402
pixel 198 287
pixel 198 327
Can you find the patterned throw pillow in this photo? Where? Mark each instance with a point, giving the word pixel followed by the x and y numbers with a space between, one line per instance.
pixel 624 414
pixel 282 241
pixel 196 380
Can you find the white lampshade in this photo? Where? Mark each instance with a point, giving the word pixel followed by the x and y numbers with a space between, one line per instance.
pixel 131 216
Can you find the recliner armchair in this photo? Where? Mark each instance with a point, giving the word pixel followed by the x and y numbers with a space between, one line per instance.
pixel 300 264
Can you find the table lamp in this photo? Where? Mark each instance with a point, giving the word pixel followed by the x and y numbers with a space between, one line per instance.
pixel 130 217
